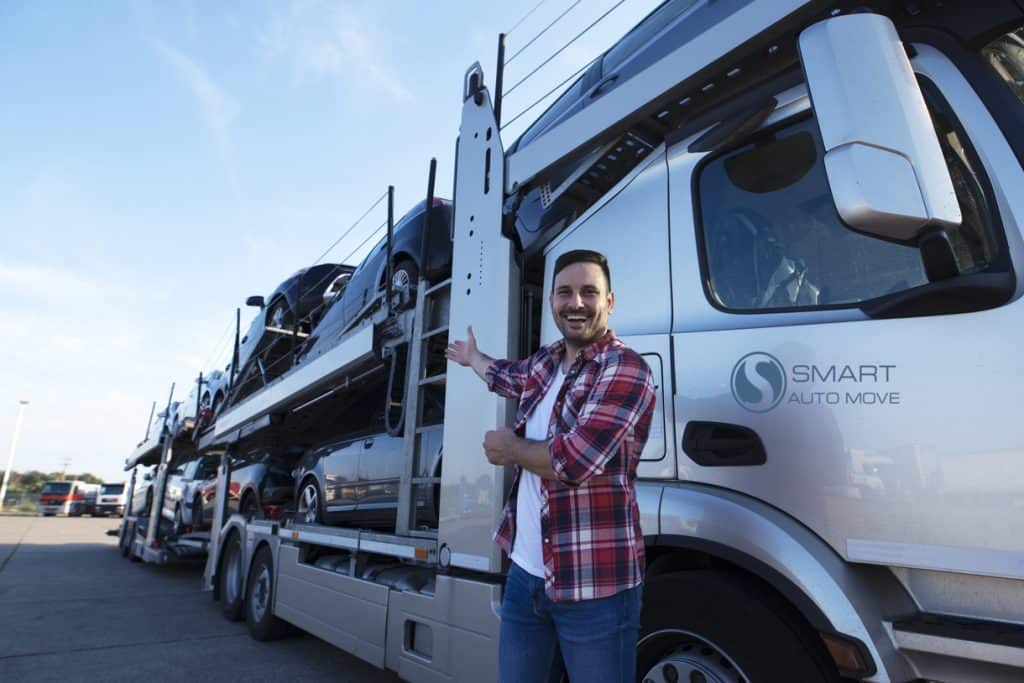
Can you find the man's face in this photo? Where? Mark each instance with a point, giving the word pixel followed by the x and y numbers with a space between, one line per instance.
pixel 581 303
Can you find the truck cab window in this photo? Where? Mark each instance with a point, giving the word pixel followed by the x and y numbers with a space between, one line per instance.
pixel 772 238
pixel 1006 56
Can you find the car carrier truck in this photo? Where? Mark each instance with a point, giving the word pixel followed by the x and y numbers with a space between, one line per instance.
pixel 813 213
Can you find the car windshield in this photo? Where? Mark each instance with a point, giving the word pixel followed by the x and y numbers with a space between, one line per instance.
pixel 56 487
pixel 112 489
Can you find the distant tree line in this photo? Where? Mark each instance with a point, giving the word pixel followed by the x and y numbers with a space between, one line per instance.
pixel 33 480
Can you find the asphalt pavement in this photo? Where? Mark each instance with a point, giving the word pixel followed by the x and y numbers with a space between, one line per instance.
pixel 72 609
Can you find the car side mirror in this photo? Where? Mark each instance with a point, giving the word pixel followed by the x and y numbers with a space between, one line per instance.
pixel 882 157
pixel 254 301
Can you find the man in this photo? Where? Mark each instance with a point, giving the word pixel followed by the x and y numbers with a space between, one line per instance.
pixel 571 526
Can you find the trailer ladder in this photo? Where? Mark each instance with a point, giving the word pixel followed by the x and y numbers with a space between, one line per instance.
pixel 429 327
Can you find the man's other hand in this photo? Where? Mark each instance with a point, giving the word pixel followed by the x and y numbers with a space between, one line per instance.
pixel 463 352
pixel 499 446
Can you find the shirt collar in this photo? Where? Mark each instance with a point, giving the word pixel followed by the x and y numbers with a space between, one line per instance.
pixel 557 350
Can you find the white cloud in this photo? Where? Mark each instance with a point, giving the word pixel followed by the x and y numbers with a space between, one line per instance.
pixel 330 40
pixel 218 108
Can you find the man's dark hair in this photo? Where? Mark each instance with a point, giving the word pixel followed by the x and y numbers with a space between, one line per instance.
pixel 582 256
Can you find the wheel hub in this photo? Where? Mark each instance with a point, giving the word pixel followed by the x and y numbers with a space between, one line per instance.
pixel 261 594
pixel 690 659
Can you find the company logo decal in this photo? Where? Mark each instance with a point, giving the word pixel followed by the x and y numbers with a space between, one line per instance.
pixel 758 382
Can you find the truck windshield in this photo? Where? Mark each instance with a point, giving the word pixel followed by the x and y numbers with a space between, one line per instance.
pixel 56 487
pixel 111 489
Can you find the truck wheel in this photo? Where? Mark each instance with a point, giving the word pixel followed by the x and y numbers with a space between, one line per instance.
pixel 715 627
pixel 229 579
pixel 197 513
pixel 259 599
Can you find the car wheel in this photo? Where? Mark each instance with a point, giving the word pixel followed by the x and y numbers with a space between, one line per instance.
pixel 310 504
pixel 179 524
pixel 149 503
pixel 229 578
pixel 216 404
pixel 405 274
pixel 259 599
pixel 717 627
pixel 249 508
pixel 197 513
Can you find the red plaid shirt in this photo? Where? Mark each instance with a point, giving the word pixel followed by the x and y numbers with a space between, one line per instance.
pixel 590 522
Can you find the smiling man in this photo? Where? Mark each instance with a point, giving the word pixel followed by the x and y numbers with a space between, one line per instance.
pixel 571 526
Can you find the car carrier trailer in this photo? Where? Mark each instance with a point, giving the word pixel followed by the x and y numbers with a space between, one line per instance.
pixel 147 537
pixel 810 508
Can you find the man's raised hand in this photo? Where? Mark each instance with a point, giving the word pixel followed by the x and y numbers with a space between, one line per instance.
pixel 463 352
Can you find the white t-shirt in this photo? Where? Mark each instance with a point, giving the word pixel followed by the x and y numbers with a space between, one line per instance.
pixel 526 549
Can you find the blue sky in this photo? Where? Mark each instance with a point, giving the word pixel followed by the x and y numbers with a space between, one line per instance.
pixel 163 160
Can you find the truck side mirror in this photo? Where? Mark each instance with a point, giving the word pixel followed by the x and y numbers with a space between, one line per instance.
pixel 882 157
pixel 254 301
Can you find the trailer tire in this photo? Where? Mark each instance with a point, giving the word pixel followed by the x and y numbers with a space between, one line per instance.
pixel 229 579
pixel 259 599
pixel 725 627
pixel 125 541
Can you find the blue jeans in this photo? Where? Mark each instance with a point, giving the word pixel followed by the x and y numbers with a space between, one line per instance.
pixel 595 640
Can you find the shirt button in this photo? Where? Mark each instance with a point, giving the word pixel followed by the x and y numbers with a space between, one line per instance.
pixel 547 540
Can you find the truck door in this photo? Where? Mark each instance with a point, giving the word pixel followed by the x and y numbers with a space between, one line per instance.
pixel 848 390
pixel 630 226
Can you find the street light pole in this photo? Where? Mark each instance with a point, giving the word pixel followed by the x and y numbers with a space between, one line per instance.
pixel 10 455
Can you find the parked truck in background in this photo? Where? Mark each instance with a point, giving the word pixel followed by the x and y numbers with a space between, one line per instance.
pixel 111 499
pixel 71 498
pixel 813 220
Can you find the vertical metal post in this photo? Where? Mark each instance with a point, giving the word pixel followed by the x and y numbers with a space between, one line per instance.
pixel 219 518
pixel 149 424
pixel 10 455
pixel 425 238
pixel 199 395
pixel 123 529
pixel 160 480
pixel 499 78
pixel 234 356
pixel 391 230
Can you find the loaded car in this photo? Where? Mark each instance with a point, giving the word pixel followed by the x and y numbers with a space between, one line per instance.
pixel 142 495
pixel 182 495
pixel 359 297
pixel 355 481
pixel 261 485
pixel 292 310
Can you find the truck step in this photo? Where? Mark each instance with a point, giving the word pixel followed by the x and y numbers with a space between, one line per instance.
pixel 954 636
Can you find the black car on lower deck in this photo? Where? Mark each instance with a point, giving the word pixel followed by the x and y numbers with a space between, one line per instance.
pixel 301 300
pixel 260 485
pixel 355 481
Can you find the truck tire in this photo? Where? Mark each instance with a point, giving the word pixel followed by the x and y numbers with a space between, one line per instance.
pixel 716 627
pixel 259 599
pixel 229 579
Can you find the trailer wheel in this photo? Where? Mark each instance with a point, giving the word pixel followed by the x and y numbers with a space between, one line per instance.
pixel 259 599
pixel 720 628
pixel 125 541
pixel 229 579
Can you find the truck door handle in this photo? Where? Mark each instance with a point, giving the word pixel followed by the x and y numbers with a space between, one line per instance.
pixel 720 444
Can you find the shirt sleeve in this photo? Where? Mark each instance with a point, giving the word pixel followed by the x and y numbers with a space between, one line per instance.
pixel 508 377
pixel 621 395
